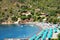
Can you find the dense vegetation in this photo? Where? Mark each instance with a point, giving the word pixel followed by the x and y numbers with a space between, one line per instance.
pixel 15 8
pixel 59 36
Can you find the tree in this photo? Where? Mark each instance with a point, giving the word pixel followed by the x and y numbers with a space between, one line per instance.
pixel 21 1
pixel 0 0
pixel 14 19
pixel 23 17
pixel 59 36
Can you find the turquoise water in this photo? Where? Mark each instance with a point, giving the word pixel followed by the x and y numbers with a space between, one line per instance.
pixel 18 31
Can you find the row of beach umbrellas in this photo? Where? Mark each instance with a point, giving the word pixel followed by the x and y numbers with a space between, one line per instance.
pixel 44 34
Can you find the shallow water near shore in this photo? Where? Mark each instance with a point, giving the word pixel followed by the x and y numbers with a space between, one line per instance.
pixel 18 30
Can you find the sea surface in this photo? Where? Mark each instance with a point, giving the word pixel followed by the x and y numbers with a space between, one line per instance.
pixel 18 30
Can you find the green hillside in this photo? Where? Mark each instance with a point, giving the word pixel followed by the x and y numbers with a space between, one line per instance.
pixel 49 9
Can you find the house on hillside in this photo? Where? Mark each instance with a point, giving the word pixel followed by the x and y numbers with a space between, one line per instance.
pixel 26 13
pixel 43 15
pixel 58 15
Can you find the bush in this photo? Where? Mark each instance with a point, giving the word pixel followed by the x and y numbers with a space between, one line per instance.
pixel 14 19
pixel 59 36
pixel 54 39
pixel 0 0
pixel 21 1
pixel 23 17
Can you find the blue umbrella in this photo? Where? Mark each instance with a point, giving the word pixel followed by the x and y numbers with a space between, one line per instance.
pixel 40 34
pixel 50 33
pixel 45 34
pixel 55 30
pixel 33 37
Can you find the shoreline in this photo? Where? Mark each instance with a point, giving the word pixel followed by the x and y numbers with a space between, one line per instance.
pixel 28 23
pixel 40 24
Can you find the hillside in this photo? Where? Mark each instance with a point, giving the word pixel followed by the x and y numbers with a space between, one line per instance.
pixel 38 9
